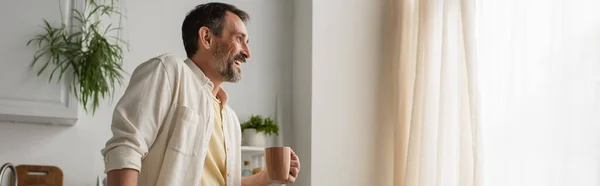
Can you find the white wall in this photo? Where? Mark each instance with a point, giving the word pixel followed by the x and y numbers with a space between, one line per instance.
pixel 346 65
pixel 326 80
pixel 153 27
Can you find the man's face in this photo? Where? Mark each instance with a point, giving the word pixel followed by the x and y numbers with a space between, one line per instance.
pixel 231 49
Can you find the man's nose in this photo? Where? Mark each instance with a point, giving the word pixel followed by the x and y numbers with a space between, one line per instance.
pixel 246 51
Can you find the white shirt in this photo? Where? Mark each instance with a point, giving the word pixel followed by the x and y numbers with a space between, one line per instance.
pixel 162 125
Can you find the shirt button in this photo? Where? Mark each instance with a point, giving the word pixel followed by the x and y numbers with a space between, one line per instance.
pixel 228 174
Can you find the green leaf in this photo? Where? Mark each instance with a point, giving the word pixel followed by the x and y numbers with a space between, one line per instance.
pixel 44 67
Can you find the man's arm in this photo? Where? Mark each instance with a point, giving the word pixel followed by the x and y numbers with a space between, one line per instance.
pixel 122 177
pixel 136 121
pixel 259 179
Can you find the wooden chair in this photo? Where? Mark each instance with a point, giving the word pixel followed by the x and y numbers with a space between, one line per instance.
pixel 37 175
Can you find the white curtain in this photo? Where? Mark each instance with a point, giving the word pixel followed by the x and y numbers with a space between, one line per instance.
pixel 539 70
pixel 436 135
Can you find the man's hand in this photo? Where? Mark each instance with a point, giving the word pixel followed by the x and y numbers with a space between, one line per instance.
pixel 294 167
pixel 262 178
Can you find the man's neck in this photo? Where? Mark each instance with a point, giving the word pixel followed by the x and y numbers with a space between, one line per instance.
pixel 213 76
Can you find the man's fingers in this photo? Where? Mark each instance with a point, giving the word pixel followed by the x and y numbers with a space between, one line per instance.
pixel 291 180
pixel 294 167
pixel 295 159
pixel 295 163
pixel 293 154
pixel 294 171
pixel 293 174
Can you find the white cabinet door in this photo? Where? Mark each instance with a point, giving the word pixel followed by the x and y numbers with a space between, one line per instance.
pixel 25 97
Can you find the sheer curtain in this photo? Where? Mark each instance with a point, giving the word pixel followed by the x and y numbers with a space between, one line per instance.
pixel 539 70
pixel 436 127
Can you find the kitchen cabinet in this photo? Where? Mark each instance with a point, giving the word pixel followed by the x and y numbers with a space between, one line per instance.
pixel 25 97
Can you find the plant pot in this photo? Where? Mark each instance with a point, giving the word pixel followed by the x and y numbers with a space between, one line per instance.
pixel 252 138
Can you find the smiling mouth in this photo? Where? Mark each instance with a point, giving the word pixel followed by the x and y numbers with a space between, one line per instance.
pixel 237 64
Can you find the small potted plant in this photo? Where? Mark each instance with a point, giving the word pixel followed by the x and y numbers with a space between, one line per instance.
pixel 256 129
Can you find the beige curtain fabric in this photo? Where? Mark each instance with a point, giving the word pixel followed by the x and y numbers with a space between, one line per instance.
pixel 436 138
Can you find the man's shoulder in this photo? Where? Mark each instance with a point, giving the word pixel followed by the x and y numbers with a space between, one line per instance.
pixel 167 60
pixel 171 63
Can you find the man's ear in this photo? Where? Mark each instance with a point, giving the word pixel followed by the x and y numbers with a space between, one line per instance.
pixel 204 37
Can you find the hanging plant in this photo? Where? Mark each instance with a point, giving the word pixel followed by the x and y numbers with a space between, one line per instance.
pixel 87 50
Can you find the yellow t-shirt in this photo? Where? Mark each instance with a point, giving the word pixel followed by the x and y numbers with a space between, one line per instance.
pixel 214 164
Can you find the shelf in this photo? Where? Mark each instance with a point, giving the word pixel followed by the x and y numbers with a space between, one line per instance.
pixel 250 150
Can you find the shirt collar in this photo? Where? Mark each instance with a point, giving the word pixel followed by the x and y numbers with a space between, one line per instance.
pixel 205 81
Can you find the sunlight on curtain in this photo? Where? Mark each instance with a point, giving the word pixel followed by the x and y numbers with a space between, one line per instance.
pixel 436 140
pixel 539 64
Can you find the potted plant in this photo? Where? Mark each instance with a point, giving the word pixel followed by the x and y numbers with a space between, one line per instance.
pixel 88 51
pixel 256 129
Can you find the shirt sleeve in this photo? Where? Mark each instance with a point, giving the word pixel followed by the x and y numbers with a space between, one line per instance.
pixel 138 116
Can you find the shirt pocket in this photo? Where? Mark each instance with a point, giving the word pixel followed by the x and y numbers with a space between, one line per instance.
pixel 187 132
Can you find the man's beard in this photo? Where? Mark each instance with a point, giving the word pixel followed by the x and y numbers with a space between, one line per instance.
pixel 224 63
